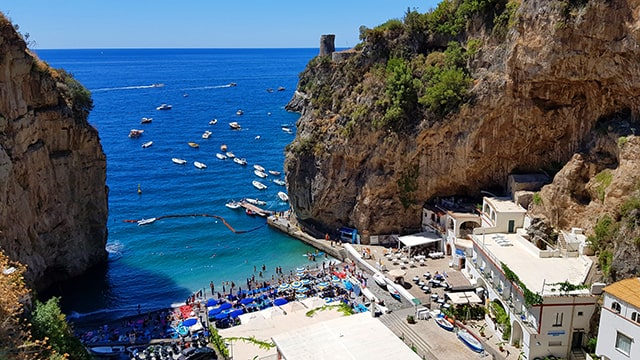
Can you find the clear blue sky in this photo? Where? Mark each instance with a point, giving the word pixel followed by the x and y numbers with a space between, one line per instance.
pixel 75 24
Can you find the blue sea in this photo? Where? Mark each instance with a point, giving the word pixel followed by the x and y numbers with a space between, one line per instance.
pixel 163 263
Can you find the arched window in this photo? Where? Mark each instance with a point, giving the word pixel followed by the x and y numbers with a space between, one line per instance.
pixel 615 306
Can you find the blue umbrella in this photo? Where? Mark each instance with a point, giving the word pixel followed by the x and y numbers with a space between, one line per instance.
pixel 221 316
pixel 214 311
pixel 225 306
pixel 301 296
pixel 280 301
pixel 235 313
pixel 283 287
pixel 296 284
pixel 305 281
pixel 302 289
pixel 189 322
pixel 246 301
pixel 212 302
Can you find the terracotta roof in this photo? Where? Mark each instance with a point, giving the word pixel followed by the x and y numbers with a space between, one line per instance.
pixel 627 290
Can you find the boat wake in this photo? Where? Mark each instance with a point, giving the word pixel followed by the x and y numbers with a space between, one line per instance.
pixel 129 87
pixel 209 87
pixel 115 250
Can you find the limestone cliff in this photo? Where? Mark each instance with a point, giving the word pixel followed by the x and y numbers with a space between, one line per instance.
pixel 539 89
pixel 53 197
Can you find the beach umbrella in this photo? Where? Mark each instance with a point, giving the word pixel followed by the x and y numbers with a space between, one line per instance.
pixel 302 289
pixel 322 285
pixel 296 284
pixel 283 287
pixel 300 269
pixel 301 296
pixel 335 279
pixel 225 306
pixel 189 322
pixel 214 311
pixel 235 313
pixel 246 301
pixel 299 274
pixel 221 316
pixel 212 302
pixel 305 281
pixel 279 301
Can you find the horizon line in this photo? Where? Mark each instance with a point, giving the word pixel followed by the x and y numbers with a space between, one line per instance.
pixel 189 48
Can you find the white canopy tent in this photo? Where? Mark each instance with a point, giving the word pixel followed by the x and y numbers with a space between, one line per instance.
pixel 467 297
pixel 418 239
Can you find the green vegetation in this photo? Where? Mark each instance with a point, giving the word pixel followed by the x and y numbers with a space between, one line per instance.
pixel 401 95
pixel 603 180
pixel 622 140
pixel 345 309
pixel 537 199
pixel 530 298
pixel 81 100
pixel 218 342
pixel 502 319
pixel 408 185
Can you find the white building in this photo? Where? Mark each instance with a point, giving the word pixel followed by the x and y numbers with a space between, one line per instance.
pixel 620 321
pixel 541 291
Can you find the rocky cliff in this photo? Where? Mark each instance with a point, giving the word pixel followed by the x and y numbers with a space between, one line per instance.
pixel 540 88
pixel 53 197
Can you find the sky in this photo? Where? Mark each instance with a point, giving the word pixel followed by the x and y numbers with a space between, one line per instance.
pixel 81 24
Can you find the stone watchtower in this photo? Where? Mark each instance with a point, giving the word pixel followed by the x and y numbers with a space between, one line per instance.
pixel 327 44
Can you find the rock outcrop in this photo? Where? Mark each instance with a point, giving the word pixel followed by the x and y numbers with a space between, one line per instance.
pixel 536 99
pixel 53 197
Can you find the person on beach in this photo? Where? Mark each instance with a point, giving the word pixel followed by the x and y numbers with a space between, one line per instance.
pixel 212 287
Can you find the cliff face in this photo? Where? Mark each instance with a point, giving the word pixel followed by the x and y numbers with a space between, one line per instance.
pixel 53 198
pixel 535 101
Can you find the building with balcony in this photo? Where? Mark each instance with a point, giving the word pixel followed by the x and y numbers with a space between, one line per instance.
pixel 620 321
pixel 541 291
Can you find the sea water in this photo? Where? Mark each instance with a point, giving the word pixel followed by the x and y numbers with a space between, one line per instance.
pixel 163 263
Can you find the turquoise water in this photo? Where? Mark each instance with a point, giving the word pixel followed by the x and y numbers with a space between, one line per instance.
pixel 164 262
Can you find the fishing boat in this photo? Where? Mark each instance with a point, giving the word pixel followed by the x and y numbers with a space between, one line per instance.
pixel 193 144
pixel 135 133
pixel 471 341
pixel 206 134
pixel 274 172
pixel 146 221
pixel 260 174
pixel 230 155
pixel 147 144
pixel 213 122
pixel 233 204
pixel 221 156
pixel 234 125
pixel 179 161
pixel 279 182
pixel 255 202
pixel 379 279
pixel 164 107
pixel 258 185
pixel 444 323
pixel 394 292
pixel 146 120
pixel 283 196
pixel 199 165
pixel 258 167
pixel 241 161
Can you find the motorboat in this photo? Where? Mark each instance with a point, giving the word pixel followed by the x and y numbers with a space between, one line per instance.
pixel 230 155
pixel 164 107
pixel 146 221
pixel 258 185
pixel 471 341
pixel 233 204
pixel 444 323
pixel 270 90
pixel 206 134
pixel 394 292
pixel 234 125
pixel 199 165
pixel 179 161
pixel 213 122
pixel 146 120
pixel 157 85
pixel 147 144
pixel 223 147
pixel 135 133
pixel 258 167
pixel 274 172
pixel 107 351
pixel 287 130
pixel 232 84
pixel 193 144
pixel 249 212
pixel 255 202
pixel 260 174
pixel 379 279
pixel 221 156
pixel 283 196
pixel 279 182
pixel 281 88
pixel 239 112
pixel 241 161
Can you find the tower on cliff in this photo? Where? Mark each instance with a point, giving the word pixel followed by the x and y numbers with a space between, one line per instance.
pixel 327 44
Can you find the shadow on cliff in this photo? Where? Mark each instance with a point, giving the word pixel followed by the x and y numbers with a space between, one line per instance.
pixel 94 298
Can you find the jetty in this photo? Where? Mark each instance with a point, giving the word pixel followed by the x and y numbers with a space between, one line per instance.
pixel 256 210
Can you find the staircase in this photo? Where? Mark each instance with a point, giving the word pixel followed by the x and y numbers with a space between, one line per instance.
pixel 578 354
pixel 397 323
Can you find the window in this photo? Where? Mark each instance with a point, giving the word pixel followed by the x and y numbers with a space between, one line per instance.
pixel 580 313
pixel 555 343
pixel 634 316
pixel 615 306
pixel 559 317
pixel 623 343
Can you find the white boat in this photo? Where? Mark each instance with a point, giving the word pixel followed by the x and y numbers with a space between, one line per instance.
pixel 213 122
pixel 146 221
pixel 471 341
pixel 179 161
pixel 283 196
pixel 379 279
pixel 233 204
pixel 164 107
pixel 107 351
pixel 239 112
pixel 258 185
pixel 241 161
pixel 206 134
pixel 221 156
pixel 199 165
pixel 274 172
pixel 258 167
pixel 230 155
pixel 135 133
pixel 147 144
pixel 260 174
pixel 279 182
pixel 394 292
pixel 255 202
pixel 146 120
pixel 193 144
pixel 234 125
pixel 287 130
pixel 444 323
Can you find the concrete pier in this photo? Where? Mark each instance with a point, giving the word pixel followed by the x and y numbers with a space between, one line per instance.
pixel 282 223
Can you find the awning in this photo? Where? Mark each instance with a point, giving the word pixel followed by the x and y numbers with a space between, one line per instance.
pixel 418 239
pixel 467 297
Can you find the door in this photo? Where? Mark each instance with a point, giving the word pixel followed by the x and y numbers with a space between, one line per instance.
pixel 512 226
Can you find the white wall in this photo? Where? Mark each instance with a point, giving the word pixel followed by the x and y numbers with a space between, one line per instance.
pixel 610 324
